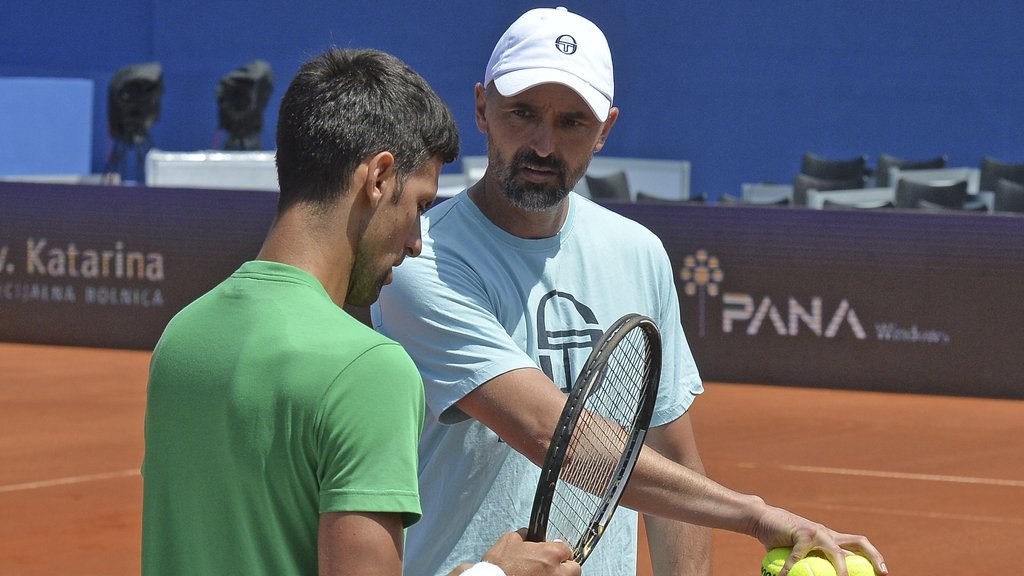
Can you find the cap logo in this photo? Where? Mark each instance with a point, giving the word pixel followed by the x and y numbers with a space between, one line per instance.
pixel 566 44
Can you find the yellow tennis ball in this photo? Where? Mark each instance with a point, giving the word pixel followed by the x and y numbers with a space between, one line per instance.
pixel 814 564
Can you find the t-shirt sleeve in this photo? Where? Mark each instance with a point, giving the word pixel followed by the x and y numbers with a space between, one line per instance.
pixel 370 425
pixel 447 322
pixel 680 379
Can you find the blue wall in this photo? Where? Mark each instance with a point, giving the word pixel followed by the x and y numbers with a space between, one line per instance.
pixel 739 88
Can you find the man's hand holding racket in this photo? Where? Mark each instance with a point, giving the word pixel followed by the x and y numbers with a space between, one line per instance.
pixel 518 557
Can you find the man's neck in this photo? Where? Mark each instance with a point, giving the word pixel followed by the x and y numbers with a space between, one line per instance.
pixel 293 240
pixel 489 198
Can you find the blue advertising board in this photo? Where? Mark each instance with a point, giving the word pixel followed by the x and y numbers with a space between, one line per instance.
pixel 888 300
pixel 109 266
pixel 907 301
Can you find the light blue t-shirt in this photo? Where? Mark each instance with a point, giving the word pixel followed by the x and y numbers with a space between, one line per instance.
pixel 480 302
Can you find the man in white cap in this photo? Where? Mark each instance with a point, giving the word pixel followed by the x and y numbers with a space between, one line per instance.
pixel 517 278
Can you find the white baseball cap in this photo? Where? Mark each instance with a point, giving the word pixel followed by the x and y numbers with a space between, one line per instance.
pixel 554 45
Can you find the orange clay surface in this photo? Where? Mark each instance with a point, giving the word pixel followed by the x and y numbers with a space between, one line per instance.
pixel 937 483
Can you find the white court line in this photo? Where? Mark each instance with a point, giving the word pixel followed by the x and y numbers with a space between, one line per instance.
pixel 903 476
pixel 69 480
pixel 920 514
pixel 895 475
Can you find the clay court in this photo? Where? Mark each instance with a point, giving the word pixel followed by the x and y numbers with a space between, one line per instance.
pixel 936 482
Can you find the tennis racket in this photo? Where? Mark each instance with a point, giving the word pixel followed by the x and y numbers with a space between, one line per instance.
pixel 599 436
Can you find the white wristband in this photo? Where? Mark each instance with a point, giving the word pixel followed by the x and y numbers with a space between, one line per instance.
pixel 484 569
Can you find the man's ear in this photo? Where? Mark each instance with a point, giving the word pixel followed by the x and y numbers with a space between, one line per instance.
pixel 380 177
pixel 606 128
pixel 480 99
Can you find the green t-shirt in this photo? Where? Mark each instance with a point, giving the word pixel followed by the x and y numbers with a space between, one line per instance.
pixel 268 405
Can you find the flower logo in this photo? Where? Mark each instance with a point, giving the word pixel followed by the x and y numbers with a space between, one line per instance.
pixel 701 274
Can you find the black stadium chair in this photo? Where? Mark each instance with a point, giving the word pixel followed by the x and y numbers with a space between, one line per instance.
pixel 885 162
pixel 861 204
pixel 733 200
pixel 948 194
pixel 644 197
pixel 1009 196
pixel 613 187
pixel 802 183
pixel 992 170
pixel 966 206
pixel 829 169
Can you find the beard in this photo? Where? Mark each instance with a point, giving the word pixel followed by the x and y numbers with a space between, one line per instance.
pixel 530 196
pixel 365 282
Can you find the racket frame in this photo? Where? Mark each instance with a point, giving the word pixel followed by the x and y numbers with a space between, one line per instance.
pixel 588 381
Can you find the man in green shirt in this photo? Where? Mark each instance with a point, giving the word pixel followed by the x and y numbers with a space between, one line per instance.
pixel 281 432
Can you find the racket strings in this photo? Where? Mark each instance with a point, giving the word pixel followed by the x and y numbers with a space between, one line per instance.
pixel 602 434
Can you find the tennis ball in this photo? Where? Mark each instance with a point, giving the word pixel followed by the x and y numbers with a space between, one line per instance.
pixel 814 564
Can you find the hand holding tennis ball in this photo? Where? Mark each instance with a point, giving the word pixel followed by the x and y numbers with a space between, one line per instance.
pixel 814 564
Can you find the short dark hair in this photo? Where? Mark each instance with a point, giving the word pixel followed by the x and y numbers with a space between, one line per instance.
pixel 346 105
